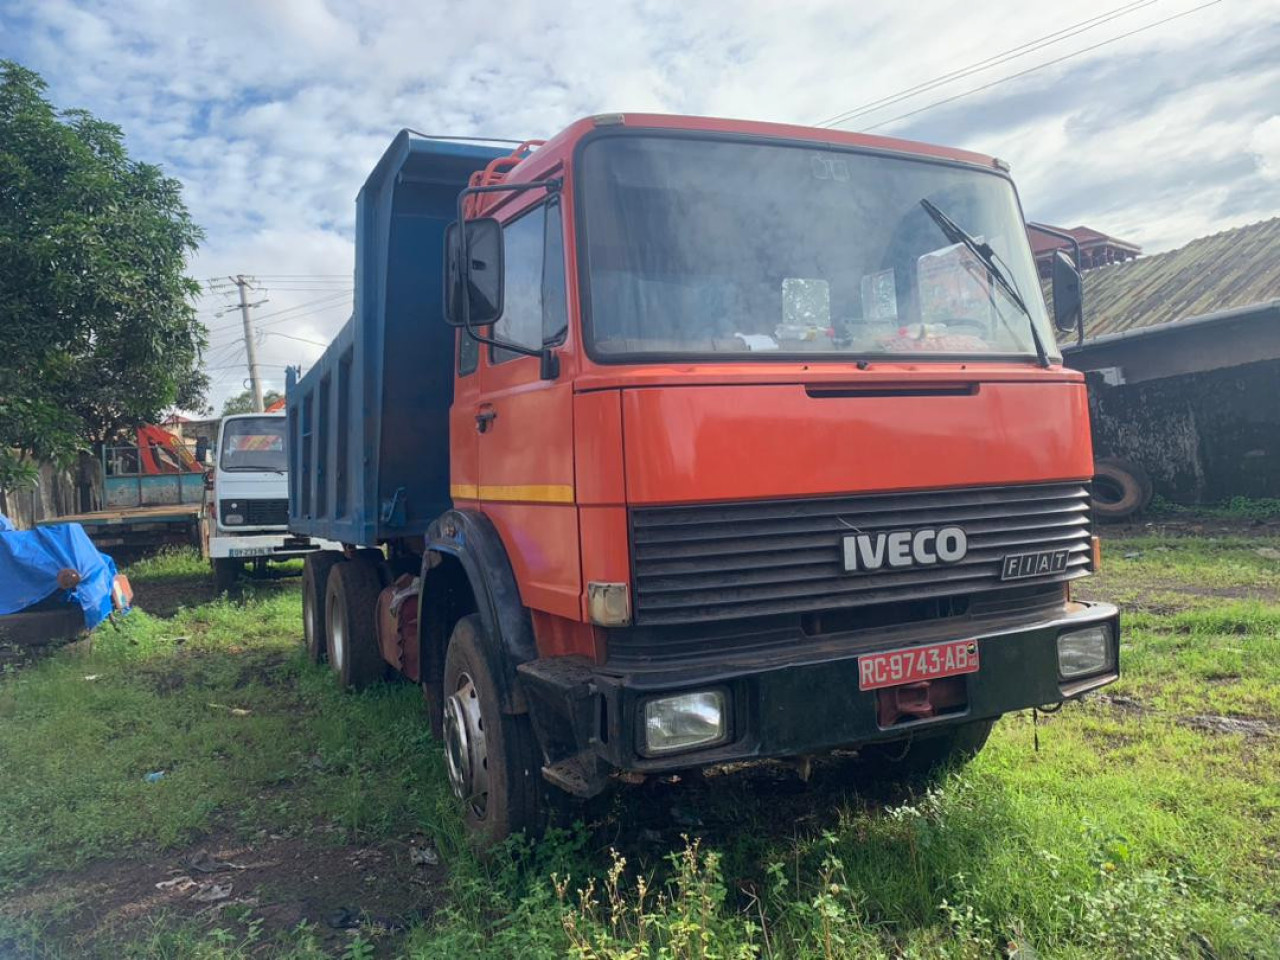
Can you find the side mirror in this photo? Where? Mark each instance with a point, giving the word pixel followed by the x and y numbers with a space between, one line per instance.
pixel 473 262
pixel 202 449
pixel 1068 294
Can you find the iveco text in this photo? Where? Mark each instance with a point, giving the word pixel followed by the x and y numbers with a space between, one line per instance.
pixel 904 548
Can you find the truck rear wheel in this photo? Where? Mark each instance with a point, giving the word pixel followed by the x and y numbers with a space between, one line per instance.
pixel 225 573
pixel 492 757
pixel 315 579
pixel 922 759
pixel 351 632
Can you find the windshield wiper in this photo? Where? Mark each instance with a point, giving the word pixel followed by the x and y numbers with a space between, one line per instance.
pixel 259 468
pixel 956 234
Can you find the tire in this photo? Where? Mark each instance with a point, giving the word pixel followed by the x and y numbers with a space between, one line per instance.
pixel 225 573
pixel 351 632
pixel 315 578
pixel 492 757
pixel 921 760
pixel 1121 488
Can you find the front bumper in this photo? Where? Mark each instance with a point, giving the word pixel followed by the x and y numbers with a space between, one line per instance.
pixel 587 716
pixel 266 546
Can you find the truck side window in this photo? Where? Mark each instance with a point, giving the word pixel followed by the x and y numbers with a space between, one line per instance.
pixel 521 320
pixel 468 354
pixel 555 309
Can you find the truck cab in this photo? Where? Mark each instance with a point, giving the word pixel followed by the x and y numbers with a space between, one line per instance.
pixel 247 504
pixel 747 441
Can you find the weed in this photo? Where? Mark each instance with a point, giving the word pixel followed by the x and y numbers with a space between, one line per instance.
pixel 1131 833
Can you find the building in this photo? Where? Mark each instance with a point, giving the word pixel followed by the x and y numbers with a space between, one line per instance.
pixel 1182 355
pixel 1096 248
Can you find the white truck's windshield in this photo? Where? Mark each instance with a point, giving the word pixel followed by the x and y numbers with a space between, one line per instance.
pixel 698 248
pixel 253 444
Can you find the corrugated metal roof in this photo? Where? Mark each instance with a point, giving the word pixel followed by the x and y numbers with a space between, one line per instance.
pixel 1234 268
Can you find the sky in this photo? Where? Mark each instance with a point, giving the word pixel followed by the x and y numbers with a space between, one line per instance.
pixel 272 112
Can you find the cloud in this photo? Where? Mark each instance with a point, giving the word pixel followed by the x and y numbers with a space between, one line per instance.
pixel 1264 146
pixel 273 113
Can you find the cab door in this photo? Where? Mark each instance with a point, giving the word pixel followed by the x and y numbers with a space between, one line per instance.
pixel 464 466
pixel 524 424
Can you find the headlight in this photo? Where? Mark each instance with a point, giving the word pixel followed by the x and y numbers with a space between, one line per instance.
pixel 1083 652
pixel 231 516
pixel 684 721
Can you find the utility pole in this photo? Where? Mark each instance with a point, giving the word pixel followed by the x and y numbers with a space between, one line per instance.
pixel 249 346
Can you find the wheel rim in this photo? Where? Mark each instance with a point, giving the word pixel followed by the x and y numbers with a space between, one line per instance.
pixel 338 630
pixel 465 750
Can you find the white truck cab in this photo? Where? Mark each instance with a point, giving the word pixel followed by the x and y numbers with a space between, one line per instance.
pixel 247 510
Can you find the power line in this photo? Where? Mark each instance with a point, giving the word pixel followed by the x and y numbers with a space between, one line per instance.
pixel 1047 63
pixel 318 343
pixel 227 352
pixel 330 298
pixel 1013 53
pixel 343 304
pixel 240 366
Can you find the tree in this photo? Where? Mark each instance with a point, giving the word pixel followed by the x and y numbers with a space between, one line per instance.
pixel 98 330
pixel 243 402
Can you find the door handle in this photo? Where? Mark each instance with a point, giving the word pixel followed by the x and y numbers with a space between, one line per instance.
pixel 484 418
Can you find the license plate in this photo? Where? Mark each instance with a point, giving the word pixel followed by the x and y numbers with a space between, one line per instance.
pixel 930 662
pixel 250 551
pixel 1019 566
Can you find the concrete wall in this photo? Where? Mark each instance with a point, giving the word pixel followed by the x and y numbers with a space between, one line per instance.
pixel 1204 437
pixel 1197 403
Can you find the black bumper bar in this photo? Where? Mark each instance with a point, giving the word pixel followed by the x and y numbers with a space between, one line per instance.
pixel 588 717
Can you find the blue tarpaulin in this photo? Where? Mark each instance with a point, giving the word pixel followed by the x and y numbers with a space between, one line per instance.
pixel 31 559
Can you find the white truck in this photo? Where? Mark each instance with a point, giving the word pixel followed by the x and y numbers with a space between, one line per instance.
pixel 247 505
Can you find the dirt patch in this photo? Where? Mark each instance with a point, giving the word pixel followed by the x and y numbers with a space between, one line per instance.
pixel 1194 526
pixel 1212 723
pixel 278 882
pixel 1163 596
pixel 163 598
pixel 264 670
pixel 1249 726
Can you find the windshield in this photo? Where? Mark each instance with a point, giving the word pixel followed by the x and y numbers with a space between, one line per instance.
pixel 253 444
pixel 706 247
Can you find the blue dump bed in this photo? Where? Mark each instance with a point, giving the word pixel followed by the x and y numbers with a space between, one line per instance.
pixel 369 423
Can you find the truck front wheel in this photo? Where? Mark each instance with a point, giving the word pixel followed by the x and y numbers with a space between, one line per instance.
pixel 923 758
pixel 350 614
pixel 492 757
pixel 315 580
pixel 225 573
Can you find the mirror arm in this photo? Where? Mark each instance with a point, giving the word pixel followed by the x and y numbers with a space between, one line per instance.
pixel 1075 249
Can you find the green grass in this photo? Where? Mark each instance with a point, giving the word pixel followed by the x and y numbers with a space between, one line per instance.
pixel 168 565
pixel 1131 832
pixel 79 734
pixel 1237 508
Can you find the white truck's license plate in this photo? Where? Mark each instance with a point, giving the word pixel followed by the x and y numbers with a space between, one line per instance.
pixel 917 663
pixel 250 551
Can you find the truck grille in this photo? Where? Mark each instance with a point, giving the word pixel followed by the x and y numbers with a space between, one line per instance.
pixel 724 561
pixel 258 513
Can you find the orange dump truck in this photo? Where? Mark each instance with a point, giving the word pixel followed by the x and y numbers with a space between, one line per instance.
pixel 672 441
